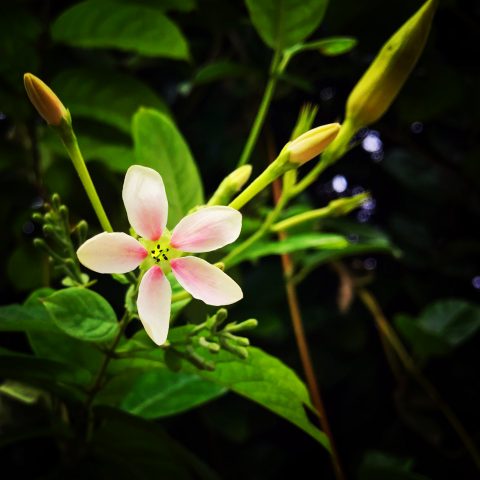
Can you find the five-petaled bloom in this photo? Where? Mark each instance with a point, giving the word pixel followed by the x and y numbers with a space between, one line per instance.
pixel 157 251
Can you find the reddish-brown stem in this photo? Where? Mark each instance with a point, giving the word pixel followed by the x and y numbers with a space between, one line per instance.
pixel 301 340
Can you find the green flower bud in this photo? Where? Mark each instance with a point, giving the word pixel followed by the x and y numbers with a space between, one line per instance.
pixel 246 325
pixel 380 84
pixel 230 185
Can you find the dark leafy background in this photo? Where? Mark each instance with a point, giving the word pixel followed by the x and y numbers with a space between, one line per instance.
pixel 424 182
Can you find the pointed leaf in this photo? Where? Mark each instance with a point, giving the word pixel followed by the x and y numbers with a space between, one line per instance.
pixel 124 26
pixel 158 393
pixel 83 314
pixel 109 97
pixel 283 23
pixel 264 379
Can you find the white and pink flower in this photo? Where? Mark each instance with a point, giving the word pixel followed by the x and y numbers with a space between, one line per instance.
pixel 157 251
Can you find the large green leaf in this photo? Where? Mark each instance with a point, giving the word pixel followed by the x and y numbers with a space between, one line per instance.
pixel 83 314
pixel 441 327
pixel 266 380
pixel 125 26
pixel 293 243
pixel 158 393
pixel 110 97
pixel 115 153
pixel 283 23
pixel 22 318
pixel 159 145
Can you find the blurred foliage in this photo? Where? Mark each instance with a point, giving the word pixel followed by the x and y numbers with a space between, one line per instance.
pixel 199 68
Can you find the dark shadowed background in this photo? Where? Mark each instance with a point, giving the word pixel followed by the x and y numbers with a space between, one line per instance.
pixel 420 162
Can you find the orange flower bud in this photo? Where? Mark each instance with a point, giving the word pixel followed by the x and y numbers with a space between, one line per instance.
pixel 312 143
pixel 43 98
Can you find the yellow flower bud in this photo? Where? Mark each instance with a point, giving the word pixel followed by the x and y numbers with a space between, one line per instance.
pixel 43 98
pixel 380 84
pixel 312 143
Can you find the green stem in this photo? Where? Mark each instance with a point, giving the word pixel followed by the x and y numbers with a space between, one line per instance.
pixel 276 68
pixel 180 296
pixel 335 208
pixel 228 260
pixel 301 218
pixel 271 173
pixel 71 145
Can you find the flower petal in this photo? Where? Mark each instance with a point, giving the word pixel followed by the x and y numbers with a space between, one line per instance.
pixel 145 201
pixel 114 252
pixel 207 229
pixel 205 282
pixel 154 303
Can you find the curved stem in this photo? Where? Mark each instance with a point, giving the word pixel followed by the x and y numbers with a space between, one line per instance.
pixel 275 69
pixel 228 260
pixel 71 145
pixel 100 377
pixel 389 333
pixel 301 218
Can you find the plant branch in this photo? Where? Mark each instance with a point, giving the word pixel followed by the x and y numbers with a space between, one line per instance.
pixel 100 377
pixel 389 333
pixel 301 340
pixel 262 110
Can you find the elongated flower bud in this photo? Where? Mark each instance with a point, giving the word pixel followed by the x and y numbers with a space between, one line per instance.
pixel 230 185
pixel 43 98
pixel 380 84
pixel 312 143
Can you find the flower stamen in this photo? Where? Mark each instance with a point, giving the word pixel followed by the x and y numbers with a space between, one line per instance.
pixel 158 253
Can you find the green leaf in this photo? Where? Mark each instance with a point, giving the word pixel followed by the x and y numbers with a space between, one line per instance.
pixel 113 152
pixel 424 344
pixel 20 392
pixel 283 23
pixel 441 327
pixel 167 5
pixel 159 145
pixel 110 97
pixel 83 314
pixel 292 244
pixel 266 380
pixel 55 376
pixel 158 393
pixel 45 337
pixel 21 318
pixel 330 47
pixel 124 26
